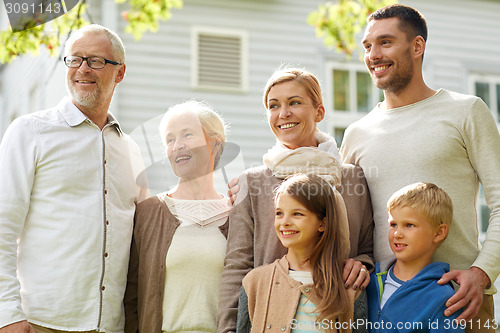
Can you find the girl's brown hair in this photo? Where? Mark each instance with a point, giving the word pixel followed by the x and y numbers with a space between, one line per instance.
pixel 327 257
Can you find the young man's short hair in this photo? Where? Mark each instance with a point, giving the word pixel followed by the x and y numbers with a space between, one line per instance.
pixel 426 198
pixel 412 22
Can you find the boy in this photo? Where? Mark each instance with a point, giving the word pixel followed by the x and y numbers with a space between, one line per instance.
pixel 403 295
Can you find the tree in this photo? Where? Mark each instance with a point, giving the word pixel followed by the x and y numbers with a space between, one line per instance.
pixel 337 24
pixel 143 15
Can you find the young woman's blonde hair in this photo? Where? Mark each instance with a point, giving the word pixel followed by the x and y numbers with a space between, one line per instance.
pixel 211 122
pixel 308 80
pixel 329 253
pixel 428 199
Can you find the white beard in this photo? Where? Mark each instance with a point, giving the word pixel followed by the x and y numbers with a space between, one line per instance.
pixel 86 99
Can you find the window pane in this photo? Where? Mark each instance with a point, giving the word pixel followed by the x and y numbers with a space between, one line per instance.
pixel 338 134
pixel 485 218
pixel 381 96
pixel 483 91
pixel 498 102
pixel 484 211
pixel 340 90
pixel 364 96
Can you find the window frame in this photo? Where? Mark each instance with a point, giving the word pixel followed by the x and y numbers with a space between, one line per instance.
pixel 338 119
pixel 493 81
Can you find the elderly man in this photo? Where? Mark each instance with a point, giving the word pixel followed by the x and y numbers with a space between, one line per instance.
pixel 67 198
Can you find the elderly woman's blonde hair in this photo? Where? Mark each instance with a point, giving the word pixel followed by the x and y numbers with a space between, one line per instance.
pixel 431 201
pixel 211 122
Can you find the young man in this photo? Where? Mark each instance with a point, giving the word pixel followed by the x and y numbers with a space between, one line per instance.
pixel 403 295
pixel 420 134
pixel 67 200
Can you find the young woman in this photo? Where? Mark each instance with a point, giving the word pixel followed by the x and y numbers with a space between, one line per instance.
pixel 179 240
pixel 303 290
pixel 292 98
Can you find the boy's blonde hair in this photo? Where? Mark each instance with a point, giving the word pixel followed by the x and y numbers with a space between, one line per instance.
pixel 428 199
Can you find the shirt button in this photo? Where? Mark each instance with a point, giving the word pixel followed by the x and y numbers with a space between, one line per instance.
pixel 105 191
pixel 268 326
pixel 283 328
pixel 103 287
pixel 106 254
pixel 306 289
pixel 107 222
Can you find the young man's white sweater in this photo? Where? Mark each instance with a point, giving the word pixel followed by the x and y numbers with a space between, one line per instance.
pixel 449 139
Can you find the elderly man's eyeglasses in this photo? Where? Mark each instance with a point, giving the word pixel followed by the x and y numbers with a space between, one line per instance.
pixel 92 62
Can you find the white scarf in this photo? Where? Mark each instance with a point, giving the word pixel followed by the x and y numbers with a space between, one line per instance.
pixel 323 160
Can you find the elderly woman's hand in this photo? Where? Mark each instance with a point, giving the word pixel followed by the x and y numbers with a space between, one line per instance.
pixel 355 274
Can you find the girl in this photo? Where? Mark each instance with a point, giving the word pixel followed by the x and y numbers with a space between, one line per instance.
pixel 304 290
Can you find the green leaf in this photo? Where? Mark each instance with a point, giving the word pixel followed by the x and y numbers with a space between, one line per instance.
pixel 142 16
pixel 337 24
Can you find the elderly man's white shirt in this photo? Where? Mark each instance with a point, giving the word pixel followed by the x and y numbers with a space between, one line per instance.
pixel 67 199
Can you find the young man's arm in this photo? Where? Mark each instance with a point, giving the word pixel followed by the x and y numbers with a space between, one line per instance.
pixel 472 283
pixel 482 142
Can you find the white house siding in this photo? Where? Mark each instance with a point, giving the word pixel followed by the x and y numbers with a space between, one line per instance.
pixel 31 82
pixel 463 38
pixel 23 83
pixel 26 87
pixel 159 66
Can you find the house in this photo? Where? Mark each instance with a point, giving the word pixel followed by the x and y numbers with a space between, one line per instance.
pixel 223 51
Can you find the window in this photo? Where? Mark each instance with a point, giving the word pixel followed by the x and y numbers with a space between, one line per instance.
pixel 364 92
pixel 338 134
pixel 352 89
pixel 349 95
pixel 488 88
pixel 483 214
pixel 219 59
pixel 341 91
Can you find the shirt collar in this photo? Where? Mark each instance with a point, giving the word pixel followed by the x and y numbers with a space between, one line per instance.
pixel 113 122
pixel 74 117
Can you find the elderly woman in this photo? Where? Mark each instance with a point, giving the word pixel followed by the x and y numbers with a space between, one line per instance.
pixel 179 240
pixel 294 105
